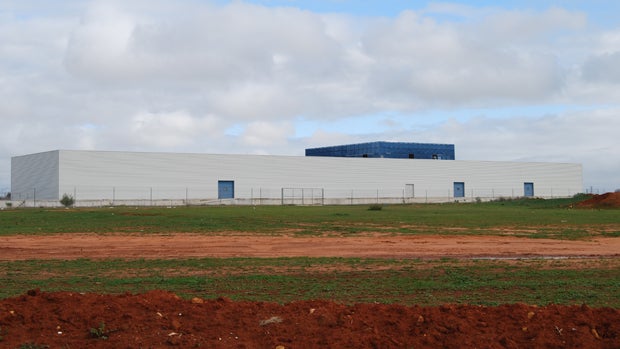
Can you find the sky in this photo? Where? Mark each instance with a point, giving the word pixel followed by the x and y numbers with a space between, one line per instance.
pixel 502 80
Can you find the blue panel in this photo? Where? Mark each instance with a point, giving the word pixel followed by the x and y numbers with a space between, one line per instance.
pixel 528 189
pixel 459 189
pixel 225 189
pixel 394 150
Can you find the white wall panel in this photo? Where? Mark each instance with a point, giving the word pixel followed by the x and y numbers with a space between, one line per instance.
pixel 131 175
pixel 35 176
pixel 101 175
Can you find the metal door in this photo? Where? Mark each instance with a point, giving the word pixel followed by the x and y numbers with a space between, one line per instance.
pixel 409 190
pixel 225 189
pixel 528 189
pixel 459 189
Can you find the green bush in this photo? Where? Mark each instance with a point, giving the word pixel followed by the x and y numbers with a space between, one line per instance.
pixel 99 332
pixel 67 200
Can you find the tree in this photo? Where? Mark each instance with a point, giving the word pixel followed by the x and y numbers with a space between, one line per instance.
pixel 67 200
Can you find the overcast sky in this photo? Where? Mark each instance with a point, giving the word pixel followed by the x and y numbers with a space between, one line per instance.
pixel 502 80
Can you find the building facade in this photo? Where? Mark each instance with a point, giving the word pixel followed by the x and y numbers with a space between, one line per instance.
pixel 393 150
pixel 104 177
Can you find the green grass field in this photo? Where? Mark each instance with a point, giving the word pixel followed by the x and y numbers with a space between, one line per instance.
pixel 346 280
pixel 550 218
pixel 427 282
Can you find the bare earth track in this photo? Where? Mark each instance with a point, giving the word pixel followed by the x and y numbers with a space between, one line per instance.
pixel 74 246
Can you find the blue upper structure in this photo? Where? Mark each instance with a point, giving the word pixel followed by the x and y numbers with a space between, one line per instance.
pixel 394 150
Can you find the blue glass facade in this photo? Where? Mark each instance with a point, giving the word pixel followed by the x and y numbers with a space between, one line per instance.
pixel 394 150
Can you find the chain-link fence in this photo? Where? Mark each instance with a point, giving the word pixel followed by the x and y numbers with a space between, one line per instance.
pixel 177 196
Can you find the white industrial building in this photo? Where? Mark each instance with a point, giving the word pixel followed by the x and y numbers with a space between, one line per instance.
pixel 133 178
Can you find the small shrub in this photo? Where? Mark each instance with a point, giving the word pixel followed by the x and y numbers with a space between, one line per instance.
pixel 67 200
pixel 99 332
pixel 9 204
pixel 375 207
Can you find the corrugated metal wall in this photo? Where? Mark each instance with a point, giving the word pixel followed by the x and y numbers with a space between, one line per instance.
pixel 35 176
pixel 128 175
pixel 97 175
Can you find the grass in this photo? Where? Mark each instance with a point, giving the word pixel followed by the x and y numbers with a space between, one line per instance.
pixel 548 218
pixel 347 280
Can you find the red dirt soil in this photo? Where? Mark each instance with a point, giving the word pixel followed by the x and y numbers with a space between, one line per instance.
pixel 607 200
pixel 159 319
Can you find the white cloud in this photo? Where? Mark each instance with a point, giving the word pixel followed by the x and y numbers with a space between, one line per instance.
pixel 168 130
pixel 603 68
pixel 261 134
pixel 100 42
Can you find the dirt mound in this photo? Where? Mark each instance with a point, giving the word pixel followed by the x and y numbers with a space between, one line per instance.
pixel 607 200
pixel 160 319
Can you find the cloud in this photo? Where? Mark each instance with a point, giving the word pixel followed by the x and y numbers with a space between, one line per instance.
pixel 261 134
pixel 604 68
pixel 173 130
pixel 425 62
pixel 99 44
pixel 404 63
pixel 225 44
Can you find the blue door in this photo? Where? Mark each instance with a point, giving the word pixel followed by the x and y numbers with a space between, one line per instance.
pixel 459 189
pixel 528 189
pixel 225 189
